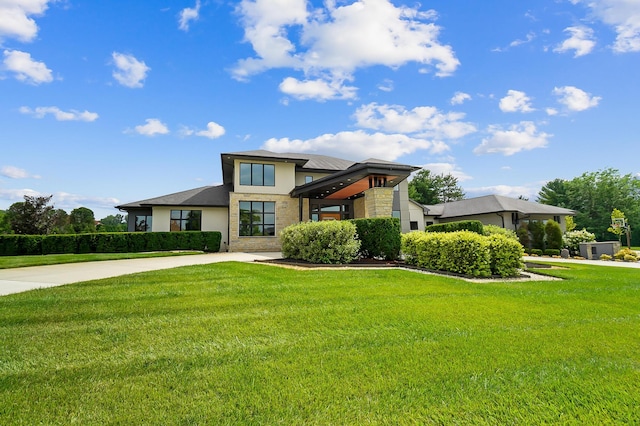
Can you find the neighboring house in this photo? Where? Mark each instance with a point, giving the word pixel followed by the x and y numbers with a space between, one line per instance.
pixel 263 192
pixel 498 210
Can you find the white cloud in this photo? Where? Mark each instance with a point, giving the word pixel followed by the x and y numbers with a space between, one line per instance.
pixel 529 38
pixel 72 115
pixel 447 169
pixel 152 128
pixel 16 173
pixel 459 98
pixel 551 111
pixel 623 16
pixel 386 85
pixel 331 42
pixel 321 90
pixel 187 15
pixel 519 137
pixel 214 130
pixel 25 68
pixel 575 99
pixel 354 144
pixel 425 121
pixel 16 21
pixel 516 101
pixel 129 71
pixel 581 41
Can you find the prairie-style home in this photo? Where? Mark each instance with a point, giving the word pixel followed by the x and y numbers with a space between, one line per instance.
pixel 263 192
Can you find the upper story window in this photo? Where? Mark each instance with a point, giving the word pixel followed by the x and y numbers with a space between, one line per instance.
pixel 308 179
pixel 186 220
pixel 255 174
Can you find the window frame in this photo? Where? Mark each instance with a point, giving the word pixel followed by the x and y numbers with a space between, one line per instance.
pixel 183 220
pixel 258 220
pixel 257 174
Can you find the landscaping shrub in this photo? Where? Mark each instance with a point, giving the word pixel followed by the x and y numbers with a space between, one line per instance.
pixel 573 239
pixel 552 252
pixel 553 235
pixel 506 255
pixel 462 252
pixel 537 234
pixel 321 242
pixel 114 242
pixel 497 230
pixel 379 237
pixel 462 225
pixel 605 257
pixel 523 236
pixel 626 255
pixel 536 252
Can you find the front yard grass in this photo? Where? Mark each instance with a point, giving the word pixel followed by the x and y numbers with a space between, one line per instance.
pixel 234 343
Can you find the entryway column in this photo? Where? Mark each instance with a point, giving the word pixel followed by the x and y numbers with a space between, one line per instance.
pixel 378 202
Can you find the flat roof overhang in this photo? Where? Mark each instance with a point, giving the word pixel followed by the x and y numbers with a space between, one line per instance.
pixel 351 183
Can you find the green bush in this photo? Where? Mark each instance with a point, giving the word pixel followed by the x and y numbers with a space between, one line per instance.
pixel 523 236
pixel 379 237
pixel 113 242
pixel 553 235
pixel 497 230
pixel 536 252
pixel 552 252
pixel 506 255
pixel 462 252
pixel 537 234
pixel 605 257
pixel 462 225
pixel 321 242
pixel 626 255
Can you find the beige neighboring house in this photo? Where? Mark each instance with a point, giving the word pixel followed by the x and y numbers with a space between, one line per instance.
pixel 263 192
pixel 505 212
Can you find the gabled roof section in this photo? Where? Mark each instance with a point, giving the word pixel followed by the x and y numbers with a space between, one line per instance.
pixel 494 204
pixel 310 162
pixel 206 196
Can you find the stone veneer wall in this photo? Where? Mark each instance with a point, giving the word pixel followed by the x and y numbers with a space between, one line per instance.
pixel 287 213
pixel 378 202
pixel 359 209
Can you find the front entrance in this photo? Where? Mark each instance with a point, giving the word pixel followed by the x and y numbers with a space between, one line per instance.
pixel 330 216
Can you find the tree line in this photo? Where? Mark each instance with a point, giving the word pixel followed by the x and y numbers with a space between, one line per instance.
pixel 37 216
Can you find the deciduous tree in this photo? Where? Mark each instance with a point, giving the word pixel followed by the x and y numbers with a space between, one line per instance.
pixel 33 216
pixel 82 220
pixel 427 188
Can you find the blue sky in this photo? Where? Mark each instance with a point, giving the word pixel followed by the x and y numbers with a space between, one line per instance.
pixel 104 103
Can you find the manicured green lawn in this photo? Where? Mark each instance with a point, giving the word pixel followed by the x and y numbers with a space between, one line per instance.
pixel 53 259
pixel 234 343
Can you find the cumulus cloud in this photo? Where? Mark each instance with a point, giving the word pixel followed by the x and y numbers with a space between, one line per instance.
pixel 386 85
pixel 424 121
pixel 581 41
pixel 321 90
pixel 623 16
pixel 187 15
pixel 331 42
pixel 129 72
pixel 353 144
pixel 213 131
pixel 575 99
pixel 152 128
pixel 447 169
pixel 16 173
pixel 72 115
pixel 516 101
pixel 25 68
pixel 518 137
pixel 16 18
pixel 459 98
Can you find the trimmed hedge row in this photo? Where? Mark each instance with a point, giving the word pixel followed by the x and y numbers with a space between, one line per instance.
pixel 463 252
pixel 379 237
pixel 116 242
pixel 461 225
pixel 321 242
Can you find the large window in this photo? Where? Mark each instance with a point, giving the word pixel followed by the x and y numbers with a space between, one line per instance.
pixel 143 223
pixel 255 174
pixel 257 218
pixel 186 220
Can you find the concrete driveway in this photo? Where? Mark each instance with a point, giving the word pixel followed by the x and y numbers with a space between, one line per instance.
pixel 22 279
pixel 535 259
